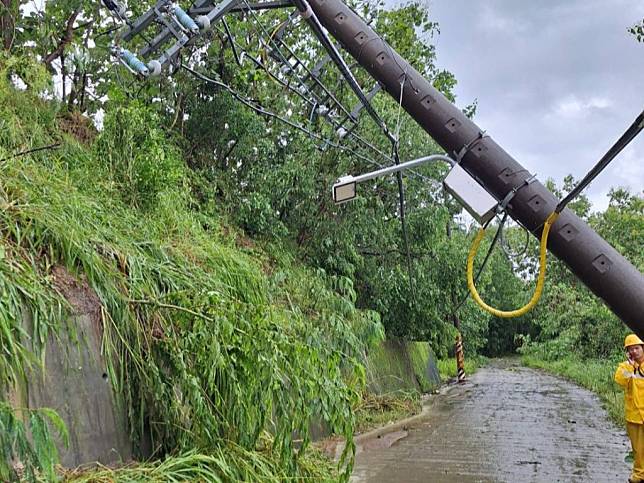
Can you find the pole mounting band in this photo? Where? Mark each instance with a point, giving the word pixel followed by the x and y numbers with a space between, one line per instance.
pixel 511 194
pixel 458 157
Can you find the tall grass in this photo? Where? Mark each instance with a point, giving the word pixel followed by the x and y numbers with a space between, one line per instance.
pixel 25 437
pixel 204 351
pixel 447 367
pixel 217 466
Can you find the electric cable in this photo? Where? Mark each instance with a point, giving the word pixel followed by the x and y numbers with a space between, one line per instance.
pixel 496 238
pixel 306 131
pixel 401 194
pixel 540 279
pixel 621 143
pixel 30 151
pixel 298 61
pixel 505 246
pixel 270 114
pixel 264 112
pixel 287 85
pixel 232 44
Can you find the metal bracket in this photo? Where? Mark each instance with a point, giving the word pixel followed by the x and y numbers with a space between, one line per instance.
pixel 360 106
pixel 304 7
pixel 458 157
pixel 183 26
pixel 512 193
pixel 270 5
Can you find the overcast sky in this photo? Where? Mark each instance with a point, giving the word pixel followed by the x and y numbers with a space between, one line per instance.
pixel 557 82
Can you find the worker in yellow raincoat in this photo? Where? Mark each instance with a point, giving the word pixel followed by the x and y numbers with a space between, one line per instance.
pixel 630 375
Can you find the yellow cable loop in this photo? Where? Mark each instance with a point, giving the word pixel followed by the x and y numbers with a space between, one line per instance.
pixel 540 279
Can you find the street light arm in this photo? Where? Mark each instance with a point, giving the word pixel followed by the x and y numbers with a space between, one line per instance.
pixel 344 188
pixel 402 167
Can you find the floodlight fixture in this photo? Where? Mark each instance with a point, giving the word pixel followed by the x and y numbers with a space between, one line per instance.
pixel 344 189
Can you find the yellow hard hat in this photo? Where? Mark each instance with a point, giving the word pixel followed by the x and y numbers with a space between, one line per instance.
pixel 632 339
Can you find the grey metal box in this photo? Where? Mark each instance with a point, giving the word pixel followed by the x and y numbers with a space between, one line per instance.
pixel 478 202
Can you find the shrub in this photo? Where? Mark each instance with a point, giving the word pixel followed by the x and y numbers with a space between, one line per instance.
pixel 137 155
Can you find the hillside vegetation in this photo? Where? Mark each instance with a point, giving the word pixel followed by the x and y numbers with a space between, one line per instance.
pixel 210 337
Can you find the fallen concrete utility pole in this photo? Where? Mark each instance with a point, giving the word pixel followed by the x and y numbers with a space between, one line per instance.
pixel 597 264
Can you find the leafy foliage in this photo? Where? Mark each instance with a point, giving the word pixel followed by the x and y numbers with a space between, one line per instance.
pixel 638 31
pixel 136 155
pixel 208 358
pixel 27 450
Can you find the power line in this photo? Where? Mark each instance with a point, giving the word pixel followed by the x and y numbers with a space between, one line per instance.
pixel 621 143
pixel 260 110
pixel 351 133
pixel 298 62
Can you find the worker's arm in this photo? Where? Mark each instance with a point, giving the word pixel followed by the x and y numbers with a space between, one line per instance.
pixel 624 374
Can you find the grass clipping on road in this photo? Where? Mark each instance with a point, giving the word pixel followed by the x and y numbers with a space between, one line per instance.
pixel 376 410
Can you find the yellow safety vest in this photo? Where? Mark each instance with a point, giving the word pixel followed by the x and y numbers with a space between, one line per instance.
pixel 632 380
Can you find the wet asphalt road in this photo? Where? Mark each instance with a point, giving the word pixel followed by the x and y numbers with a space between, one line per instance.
pixel 507 424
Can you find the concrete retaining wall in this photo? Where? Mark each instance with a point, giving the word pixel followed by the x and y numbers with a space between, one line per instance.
pixel 398 365
pixel 76 385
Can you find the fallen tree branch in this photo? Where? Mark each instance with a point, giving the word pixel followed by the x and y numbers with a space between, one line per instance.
pixel 179 308
pixel 170 306
pixel 29 151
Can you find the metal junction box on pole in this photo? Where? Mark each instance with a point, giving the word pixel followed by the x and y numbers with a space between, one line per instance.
pixel 471 195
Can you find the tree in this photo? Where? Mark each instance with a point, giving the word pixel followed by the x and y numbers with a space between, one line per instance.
pixel 271 179
pixel 275 178
pixel 638 31
pixel 9 10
